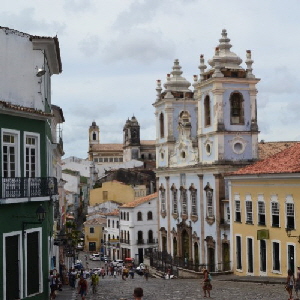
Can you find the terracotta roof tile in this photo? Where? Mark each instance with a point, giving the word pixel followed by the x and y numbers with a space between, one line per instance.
pixel 139 201
pixel 267 149
pixel 107 147
pixel 115 212
pixel 286 161
pixel 95 221
pixel 148 142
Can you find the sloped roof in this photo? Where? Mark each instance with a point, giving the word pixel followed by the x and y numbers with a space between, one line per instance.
pixel 95 221
pixel 115 212
pixel 107 147
pixel 267 149
pixel 148 142
pixel 139 201
pixel 286 161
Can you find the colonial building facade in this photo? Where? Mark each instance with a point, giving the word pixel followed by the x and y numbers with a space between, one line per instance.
pixel 264 220
pixel 27 184
pixel 201 135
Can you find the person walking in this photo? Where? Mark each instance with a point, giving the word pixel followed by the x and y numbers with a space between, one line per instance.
pixel 290 282
pixel 146 273
pixel 138 293
pixel 207 287
pixel 94 282
pixel 102 272
pixel 53 286
pixel 82 287
pixel 297 284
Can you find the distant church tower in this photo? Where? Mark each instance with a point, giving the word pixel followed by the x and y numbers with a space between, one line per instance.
pixel 94 136
pixel 131 140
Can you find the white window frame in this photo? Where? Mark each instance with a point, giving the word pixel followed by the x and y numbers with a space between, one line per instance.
pixel 37 147
pixel 289 201
pixel 193 196
pixel 250 238
pixel 262 273
pixel 236 267
pixel 21 265
pixel 276 271
pixel 31 230
pixel 274 199
pixel 258 210
pixel 237 200
pixel 248 213
pixel 16 133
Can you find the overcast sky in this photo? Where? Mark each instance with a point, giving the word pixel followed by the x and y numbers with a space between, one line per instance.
pixel 114 51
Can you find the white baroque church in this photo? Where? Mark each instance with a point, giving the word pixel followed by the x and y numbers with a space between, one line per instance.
pixel 202 134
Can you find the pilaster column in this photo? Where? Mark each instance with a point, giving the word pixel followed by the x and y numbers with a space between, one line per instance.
pixel 218 217
pixel 202 218
pixel 168 206
pixel 218 93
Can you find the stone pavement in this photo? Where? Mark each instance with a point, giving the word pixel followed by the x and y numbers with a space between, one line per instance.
pixel 225 287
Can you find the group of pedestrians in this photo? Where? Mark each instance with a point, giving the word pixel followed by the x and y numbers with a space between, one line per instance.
pixel 293 283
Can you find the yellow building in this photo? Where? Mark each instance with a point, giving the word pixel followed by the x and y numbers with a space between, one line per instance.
pixel 264 202
pixel 93 233
pixel 114 191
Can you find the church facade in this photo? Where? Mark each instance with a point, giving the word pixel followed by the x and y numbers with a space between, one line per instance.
pixel 203 133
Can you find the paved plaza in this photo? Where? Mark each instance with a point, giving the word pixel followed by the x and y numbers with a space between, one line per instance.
pixel 157 289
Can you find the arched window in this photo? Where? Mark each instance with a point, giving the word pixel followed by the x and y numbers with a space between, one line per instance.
pixel 140 237
pixel 150 237
pixel 161 125
pixel 109 237
pixel 94 136
pixel 149 215
pixel 150 156
pixel 207 111
pixel 139 216
pixel 236 108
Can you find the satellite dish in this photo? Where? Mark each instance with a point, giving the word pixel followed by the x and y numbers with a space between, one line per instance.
pixel 40 72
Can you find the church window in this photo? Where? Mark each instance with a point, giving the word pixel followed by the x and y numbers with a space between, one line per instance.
pixel 94 136
pixel 183 154
pixel 163 200
pixel 209 201
pixel 139 216
pixel 290 213
pixel 184 201
pixel 161 125
pixel 207 111
pixel 194 202
pixel 236 108
pixel 175 201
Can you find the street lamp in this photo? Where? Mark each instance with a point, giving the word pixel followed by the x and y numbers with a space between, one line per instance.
pixel 40 214
pixel 289 234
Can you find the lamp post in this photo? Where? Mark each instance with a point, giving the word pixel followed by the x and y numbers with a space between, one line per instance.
pixel 289 234
pixel 40 214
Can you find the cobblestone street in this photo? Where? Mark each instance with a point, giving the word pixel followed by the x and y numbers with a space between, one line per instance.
pixel 158 289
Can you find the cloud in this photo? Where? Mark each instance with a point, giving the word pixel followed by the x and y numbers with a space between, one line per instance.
pixel 141 45
pixel 25 21
pixel 89 46
pixel 139 12
pixel 77 5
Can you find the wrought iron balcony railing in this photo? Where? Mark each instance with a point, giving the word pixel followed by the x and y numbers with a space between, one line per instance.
pixel 140 242
pixel 152 241
pixel 21 187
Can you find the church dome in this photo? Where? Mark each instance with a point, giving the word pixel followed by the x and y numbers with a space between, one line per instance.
pixel 224 57
pixel 176 82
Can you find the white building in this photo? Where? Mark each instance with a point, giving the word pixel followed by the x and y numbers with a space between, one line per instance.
pixel 138 227
pixel 203 133
pixel 111 234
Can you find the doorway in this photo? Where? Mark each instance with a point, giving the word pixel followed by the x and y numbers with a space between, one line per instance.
pixel 291 258
pixel 226 256
pixel 263 256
